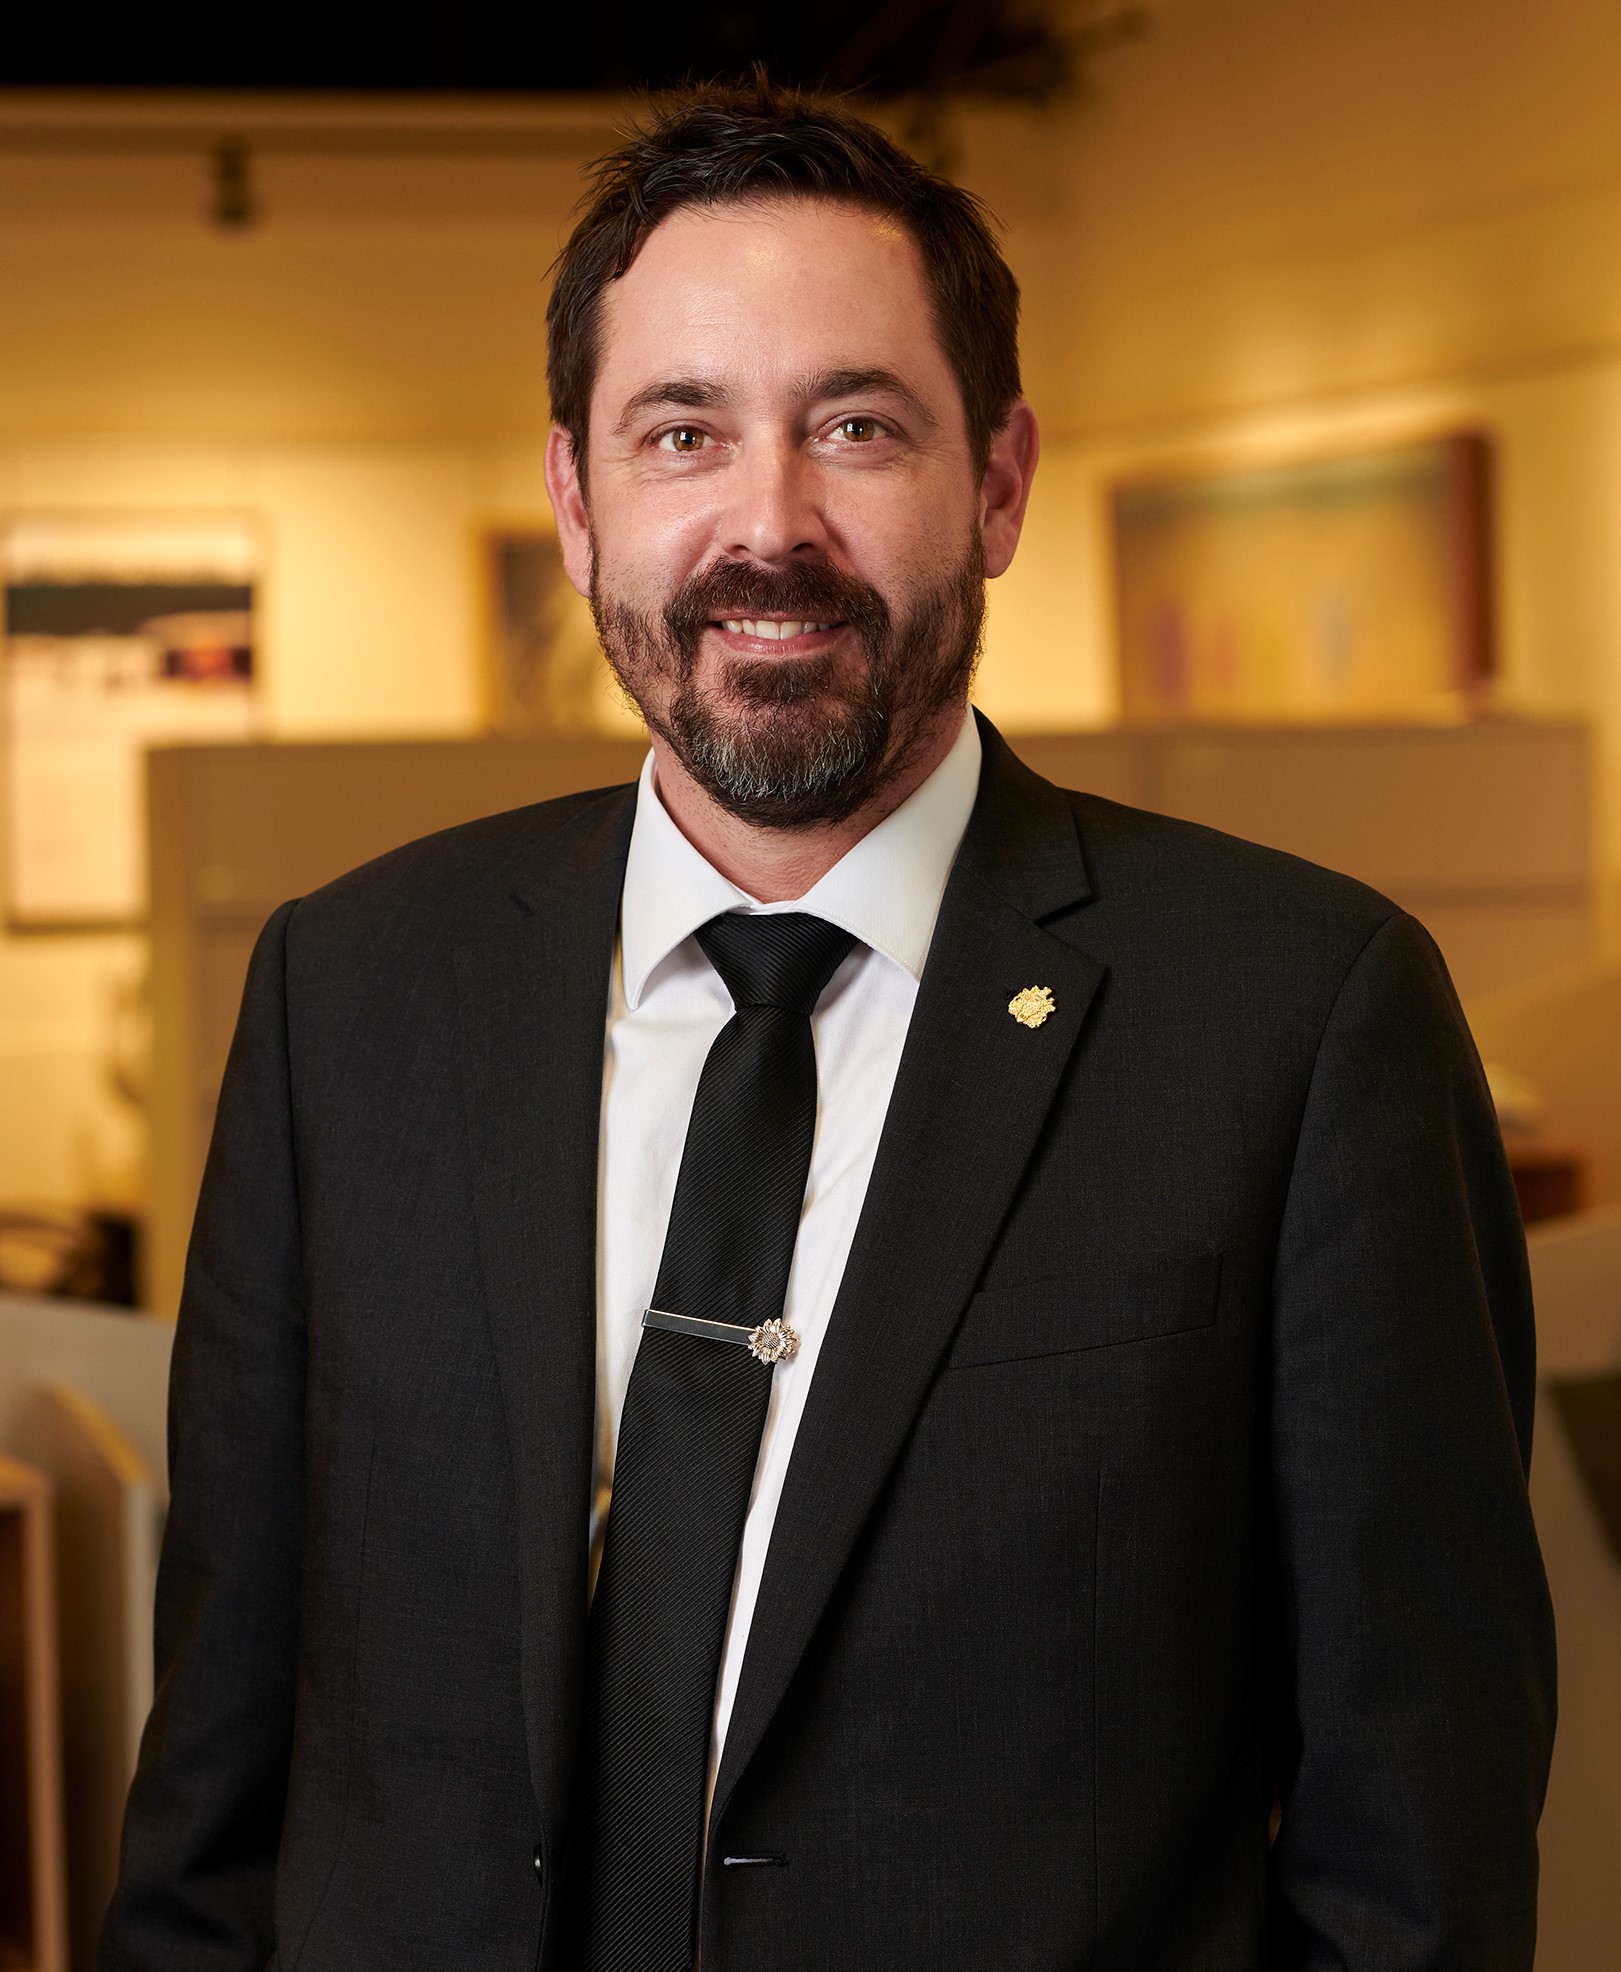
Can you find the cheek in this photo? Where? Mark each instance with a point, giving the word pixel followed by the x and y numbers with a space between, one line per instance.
pixel 646 550
pixel 898 533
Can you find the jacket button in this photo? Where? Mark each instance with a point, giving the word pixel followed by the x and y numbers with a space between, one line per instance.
pixel 540 1863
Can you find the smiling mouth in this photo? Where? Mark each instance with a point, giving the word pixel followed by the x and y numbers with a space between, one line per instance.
pixel 773 629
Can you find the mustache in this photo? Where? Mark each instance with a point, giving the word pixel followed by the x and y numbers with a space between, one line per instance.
pixel 809 590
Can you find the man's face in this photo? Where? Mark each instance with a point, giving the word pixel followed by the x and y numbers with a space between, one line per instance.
pixel 784 549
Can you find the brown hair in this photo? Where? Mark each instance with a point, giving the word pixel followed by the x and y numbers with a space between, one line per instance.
pixel 722 142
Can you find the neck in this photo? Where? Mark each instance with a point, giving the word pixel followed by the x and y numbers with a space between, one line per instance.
pixel 777 865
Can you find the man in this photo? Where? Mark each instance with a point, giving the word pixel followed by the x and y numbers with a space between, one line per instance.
pixel 1038 1282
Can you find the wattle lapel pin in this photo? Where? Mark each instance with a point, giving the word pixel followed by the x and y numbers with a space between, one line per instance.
pixel 1031 1005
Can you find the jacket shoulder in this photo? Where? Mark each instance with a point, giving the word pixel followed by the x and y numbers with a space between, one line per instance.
pixel 1156 877
pixel 1165 884
pixel 1141 842
pixel 444 886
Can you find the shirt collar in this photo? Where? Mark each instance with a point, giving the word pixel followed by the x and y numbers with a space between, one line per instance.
pixel 886 890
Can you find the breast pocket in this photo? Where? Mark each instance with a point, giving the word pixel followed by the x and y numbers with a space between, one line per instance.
pixel 1135 1299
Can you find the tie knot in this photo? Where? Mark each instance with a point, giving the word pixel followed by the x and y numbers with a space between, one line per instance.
pixel 781 961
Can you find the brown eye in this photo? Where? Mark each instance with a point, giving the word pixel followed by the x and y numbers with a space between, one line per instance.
pixel 684 439
pixel 858 431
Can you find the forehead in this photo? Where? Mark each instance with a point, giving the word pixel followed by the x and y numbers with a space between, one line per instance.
pixel 753 293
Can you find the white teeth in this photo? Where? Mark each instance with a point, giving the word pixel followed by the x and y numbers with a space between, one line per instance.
pixel 748 626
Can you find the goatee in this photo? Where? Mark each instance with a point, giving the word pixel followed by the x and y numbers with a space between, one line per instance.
pixel 797 741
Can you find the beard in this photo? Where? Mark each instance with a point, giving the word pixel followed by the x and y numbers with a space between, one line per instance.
pixel 797 742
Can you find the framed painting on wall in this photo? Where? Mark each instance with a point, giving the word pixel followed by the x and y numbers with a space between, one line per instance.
pixel 543 670
pixel 118 633
pixel 1352 587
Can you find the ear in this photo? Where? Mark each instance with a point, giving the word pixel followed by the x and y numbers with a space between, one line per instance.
pixel 568 505
pixel 1005 489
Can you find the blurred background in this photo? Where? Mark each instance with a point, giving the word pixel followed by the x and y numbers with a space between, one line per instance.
pixel 1322 322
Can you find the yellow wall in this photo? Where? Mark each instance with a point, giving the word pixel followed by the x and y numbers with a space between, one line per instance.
pixel 1277 227
pixel 1271 227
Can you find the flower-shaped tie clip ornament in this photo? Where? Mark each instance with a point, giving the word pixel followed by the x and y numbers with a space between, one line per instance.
pixel 772 1341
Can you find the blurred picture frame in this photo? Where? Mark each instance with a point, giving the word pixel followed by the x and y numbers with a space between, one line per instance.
pixel 1349 586
pixel 117 632
pixel 542 670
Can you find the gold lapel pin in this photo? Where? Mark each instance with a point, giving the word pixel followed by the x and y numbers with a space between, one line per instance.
pixel 1031 1006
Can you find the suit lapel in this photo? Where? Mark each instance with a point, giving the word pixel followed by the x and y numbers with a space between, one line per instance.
pixel 533 1004
pixel 970 1099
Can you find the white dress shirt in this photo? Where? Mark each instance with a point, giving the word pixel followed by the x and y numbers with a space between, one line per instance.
pixel 667 1005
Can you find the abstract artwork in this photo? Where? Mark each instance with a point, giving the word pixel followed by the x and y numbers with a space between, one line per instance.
pixel 1356 587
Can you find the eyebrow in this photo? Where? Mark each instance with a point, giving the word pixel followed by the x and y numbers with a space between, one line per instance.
pixel 690 393
pixel 698 394
pixel 862 383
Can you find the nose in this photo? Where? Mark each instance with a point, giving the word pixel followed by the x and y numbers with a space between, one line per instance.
pixel 774 512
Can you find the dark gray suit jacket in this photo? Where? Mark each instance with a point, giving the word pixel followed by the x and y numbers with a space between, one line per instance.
pixel 1167 1443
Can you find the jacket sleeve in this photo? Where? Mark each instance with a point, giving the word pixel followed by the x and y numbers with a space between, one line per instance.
pixel 1417 1639
pixel 204 1816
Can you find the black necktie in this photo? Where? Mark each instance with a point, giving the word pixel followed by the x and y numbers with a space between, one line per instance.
pixel 689 1439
